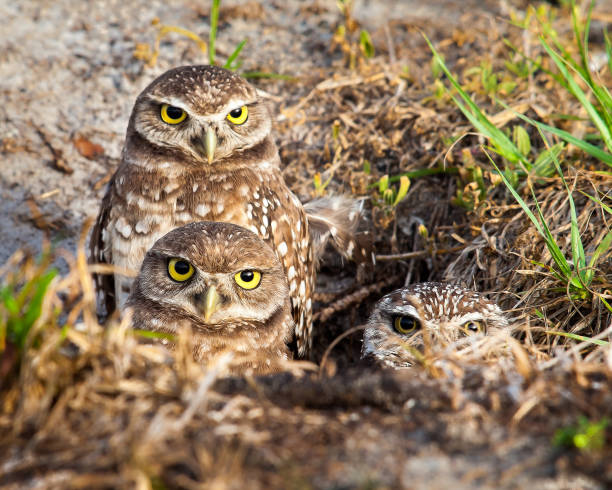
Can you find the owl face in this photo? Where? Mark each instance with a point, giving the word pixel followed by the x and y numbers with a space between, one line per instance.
pixel 219 278
pixel 204 113
pixel 439 312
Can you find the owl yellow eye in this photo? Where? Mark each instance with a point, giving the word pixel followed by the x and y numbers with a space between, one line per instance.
pixel 238 116
pixel 472 327
pixel 179 270
pixel 406 324
pixel 172 115
pixel 248 279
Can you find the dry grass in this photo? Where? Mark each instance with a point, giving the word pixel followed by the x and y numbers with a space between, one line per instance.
pixel 90 407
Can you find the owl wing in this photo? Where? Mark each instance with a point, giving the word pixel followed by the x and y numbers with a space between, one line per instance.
pixel 337 218
pixel 100 253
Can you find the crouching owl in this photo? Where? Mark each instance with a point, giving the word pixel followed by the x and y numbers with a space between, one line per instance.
pixel 226 285
pixel 441 311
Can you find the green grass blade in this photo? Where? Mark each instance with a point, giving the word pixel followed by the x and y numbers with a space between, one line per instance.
pixel 536 64
pixel 518 198
pixel 606 97
pixel 600 91
pixel 606 304
pixel 575 336
pixel 35 305
pixel 582 40
pixel 214 21
pixel 542 165
pixel 602 248
pixel 266 74
pixel 476 116
pixel 551 244
pixel 541 227
pixel 148 334
pixel 576 242
pixel 424 172
pixel 608 49
pixel 604 206
pixel 496 137
pixel 9 301
pixel 24 307
pixel 580 95
pixel 234 55
pixel 568 137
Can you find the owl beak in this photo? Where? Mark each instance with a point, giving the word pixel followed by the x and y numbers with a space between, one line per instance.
pixel 211 301
pixel 210 144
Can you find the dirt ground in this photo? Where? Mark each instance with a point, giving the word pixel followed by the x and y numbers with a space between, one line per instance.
pixel 68 71
pixel 119 416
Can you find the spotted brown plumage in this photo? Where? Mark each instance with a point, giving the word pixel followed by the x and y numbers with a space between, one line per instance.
pixel 441 311
pixel 204 167
pixel 224 284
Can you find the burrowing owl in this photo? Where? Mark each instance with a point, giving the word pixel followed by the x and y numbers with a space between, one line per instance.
pixel 198 147
pixel 226 284
pixel 442 311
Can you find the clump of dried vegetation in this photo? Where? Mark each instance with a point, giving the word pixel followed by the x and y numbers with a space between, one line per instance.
pixel 487 163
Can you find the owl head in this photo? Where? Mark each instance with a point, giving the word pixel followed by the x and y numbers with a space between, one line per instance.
pixel 404 319
pixel 221 281
pixel 200 116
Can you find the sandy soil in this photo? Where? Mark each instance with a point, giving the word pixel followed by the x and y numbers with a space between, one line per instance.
pixel 68 71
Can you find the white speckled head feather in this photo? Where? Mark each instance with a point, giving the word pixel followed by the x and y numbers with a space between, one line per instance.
pixel 437 311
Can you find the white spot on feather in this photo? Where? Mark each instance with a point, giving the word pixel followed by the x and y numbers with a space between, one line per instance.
pixel 143 226
pixel 282 249
pixel 291 273
pixel 123 227
pixel 171 187
pixel 202 210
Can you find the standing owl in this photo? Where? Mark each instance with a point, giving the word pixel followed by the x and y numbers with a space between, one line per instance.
pixel 402 318
pixel 225 284
pixel 198 147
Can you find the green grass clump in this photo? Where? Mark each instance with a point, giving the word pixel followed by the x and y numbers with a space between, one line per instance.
pixel 232 62
pixel 577 275
pixel 21 302
pixel 355 43
pixel 520 170
pixel 585 435
pixel 144 52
